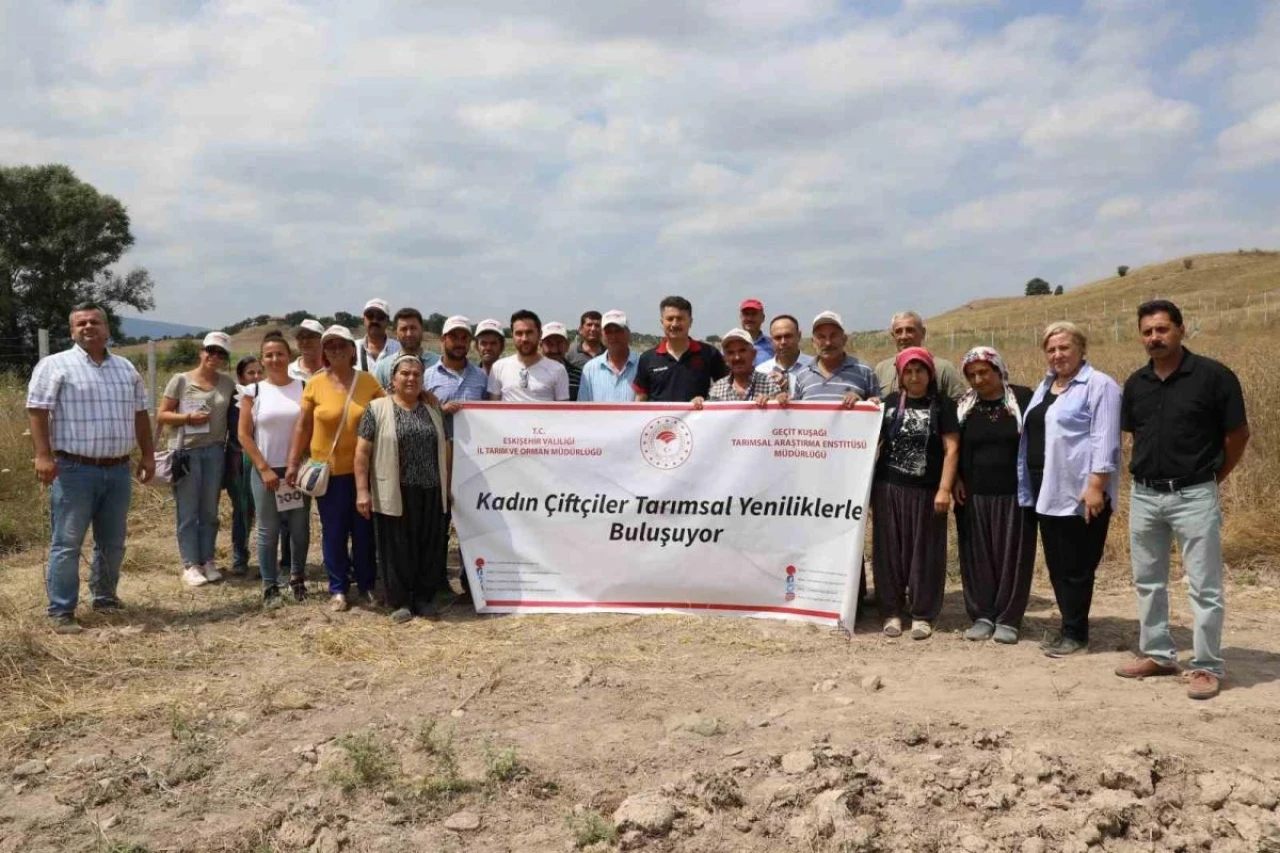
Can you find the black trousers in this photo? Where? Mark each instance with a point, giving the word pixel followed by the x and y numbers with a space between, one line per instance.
pixel 410 560
pixel 1072 551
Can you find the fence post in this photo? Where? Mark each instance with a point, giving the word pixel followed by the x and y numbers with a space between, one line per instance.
pixel 42 336
pixel 151 374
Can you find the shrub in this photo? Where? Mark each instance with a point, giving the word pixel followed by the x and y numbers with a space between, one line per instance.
pixel 1122 270
pixel 1057 291
pixel 1187 263
pixel 1038 287
pixel 369 761
pixel 183 353
pixel 590 827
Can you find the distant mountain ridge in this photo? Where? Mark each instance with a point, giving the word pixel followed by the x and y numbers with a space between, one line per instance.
pixel 136 327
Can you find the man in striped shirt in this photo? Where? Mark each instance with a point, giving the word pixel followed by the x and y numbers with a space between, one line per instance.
pixel 834 375
pixel 87 411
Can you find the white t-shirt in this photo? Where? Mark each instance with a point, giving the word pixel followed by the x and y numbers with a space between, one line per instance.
pixel 544 381
pixel 275 413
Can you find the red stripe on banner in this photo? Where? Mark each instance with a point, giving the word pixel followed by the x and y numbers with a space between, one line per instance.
pixel 656 407
pixel 747 608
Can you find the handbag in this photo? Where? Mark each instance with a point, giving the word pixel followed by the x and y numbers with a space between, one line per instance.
pixel 172 464
pixel 313 476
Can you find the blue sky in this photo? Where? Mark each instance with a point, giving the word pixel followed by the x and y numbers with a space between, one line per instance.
pixel 484 156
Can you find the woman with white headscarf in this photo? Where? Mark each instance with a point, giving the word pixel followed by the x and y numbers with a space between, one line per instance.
pixel 997 536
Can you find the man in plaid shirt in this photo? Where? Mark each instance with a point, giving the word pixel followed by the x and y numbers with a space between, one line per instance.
pixel 87 410
pixel 743 381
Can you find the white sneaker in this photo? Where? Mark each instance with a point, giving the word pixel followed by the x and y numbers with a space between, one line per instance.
pixel 338 604
pixel 211 573
pixel 192 576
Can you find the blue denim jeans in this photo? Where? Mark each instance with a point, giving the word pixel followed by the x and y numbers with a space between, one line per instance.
pixel 85 496
pixel 239 490
pixel 1194 516
pixel 196 497
pixel 340 524
pixel 293 527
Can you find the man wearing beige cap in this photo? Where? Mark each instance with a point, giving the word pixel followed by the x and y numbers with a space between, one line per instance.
pixel 375 345
pixel 490 341
pixel 527 376
pixel 310 360
pixel 834 376
pixel 607 378
pixel 744 382
pixel 555 346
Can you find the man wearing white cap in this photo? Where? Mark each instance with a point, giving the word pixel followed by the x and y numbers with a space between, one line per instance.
pixel 375 345
pixel 453 379
pixel 835 375
pixel 527 377
pixel 608 377
pixel 87 411
pixel 555 345
pixel 744 382
pixel 489 342
pixel 310 358
pixel 408 326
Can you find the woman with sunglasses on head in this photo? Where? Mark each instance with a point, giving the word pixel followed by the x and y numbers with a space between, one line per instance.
pixel 332 405
pixel 195 407
pixel 249 370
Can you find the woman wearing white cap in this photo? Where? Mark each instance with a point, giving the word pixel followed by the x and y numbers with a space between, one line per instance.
pixel 195 408
pixel 402 485
pixel 332 405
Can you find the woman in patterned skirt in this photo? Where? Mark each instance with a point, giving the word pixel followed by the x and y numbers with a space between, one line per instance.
pixel 403 462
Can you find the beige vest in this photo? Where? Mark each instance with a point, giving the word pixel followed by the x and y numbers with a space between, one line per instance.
pixel 384 473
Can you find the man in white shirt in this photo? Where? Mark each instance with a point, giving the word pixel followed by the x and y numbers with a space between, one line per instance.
pixel 527 376
pixel 375 345
pixel 310 359
pixel 787 360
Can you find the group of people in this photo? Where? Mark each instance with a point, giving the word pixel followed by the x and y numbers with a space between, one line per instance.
pixel 1012 461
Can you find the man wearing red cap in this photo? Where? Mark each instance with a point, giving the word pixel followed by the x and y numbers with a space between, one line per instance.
pixel 751 313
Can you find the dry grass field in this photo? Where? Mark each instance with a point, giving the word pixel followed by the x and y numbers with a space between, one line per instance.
pixel 193 721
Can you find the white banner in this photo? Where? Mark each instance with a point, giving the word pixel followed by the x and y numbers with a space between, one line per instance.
pixel 652 507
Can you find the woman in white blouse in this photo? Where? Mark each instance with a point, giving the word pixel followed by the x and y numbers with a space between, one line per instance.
pixel 267 420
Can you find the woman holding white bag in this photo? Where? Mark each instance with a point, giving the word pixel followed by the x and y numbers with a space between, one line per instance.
pixel 269 414
pixel 331 408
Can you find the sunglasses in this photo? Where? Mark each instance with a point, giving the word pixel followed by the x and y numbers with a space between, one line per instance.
pixel 216 352
pixel 377 318
pixel 336 344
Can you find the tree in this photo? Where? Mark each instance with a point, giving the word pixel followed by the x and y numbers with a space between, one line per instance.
pixel 434 323
pixel 1122 270
pixel 1038 287
pixel 1057 291
pixel 183 353
pixel 293 318
pixel 351 321
pixel 59 238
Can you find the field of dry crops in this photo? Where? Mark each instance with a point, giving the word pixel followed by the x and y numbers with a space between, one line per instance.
pixel 193 721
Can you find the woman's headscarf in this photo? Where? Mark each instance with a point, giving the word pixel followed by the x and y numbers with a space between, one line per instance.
pixel 970 398
pixel 900 363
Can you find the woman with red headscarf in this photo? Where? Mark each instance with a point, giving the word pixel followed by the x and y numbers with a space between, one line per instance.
pixel 911 496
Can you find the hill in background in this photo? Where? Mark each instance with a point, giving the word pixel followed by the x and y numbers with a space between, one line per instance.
pixel 137 327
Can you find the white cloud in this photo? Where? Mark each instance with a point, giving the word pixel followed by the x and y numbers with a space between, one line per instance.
pixel 469 157
pixel 1253 142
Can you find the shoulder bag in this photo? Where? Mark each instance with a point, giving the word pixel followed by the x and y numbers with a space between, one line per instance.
pixel 313 477
pixel 172 464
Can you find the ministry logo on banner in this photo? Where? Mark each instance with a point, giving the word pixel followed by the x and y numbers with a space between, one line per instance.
pixel 666 443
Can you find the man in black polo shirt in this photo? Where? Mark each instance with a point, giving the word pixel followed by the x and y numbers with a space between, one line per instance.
pixel 679 368
pixel 1186 413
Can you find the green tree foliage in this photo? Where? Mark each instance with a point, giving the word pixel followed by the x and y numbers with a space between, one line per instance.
pixel 1122 270
pixel 184 353
pixel 1038 287
pixel 1057 291
pixel 293 318
pixel 351 321
pixel 434 323
pixel 59 238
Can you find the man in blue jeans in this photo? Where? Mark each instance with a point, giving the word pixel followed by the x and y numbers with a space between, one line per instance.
pixel 1186 413
pixel 88 410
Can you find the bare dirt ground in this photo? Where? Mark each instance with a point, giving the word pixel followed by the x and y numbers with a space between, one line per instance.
pixel 195 722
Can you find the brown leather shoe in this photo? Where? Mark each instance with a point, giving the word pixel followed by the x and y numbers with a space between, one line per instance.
pixel 1202 684
pixel 1145 668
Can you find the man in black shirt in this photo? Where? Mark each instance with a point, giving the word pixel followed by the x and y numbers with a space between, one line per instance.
pixel 679 368
pixel 1186 413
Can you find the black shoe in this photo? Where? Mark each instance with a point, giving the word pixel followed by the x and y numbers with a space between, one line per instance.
pixel 271 599
pixel 464 599
pixel 65 623
pixel 401 616
pixel 426 608
pixel 1066 648
pixel 239 570
pixel 107 604
pixel 299 586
